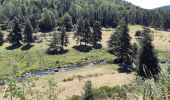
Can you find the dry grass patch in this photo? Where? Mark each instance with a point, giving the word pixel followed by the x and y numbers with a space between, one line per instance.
pixel 99 75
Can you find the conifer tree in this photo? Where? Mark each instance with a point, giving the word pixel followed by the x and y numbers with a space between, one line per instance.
pixel 28 33
pixel 15 36
pixel 55 41
pixel 66 20
pixel 79 32
pixel 87 34
pixel 148 61
pixel 119 43
pixel 64 38
pixel 46 21
pixel 166 24
pixel 97 34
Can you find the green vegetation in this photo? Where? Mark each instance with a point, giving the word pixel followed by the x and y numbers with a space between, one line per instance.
pixel 37 59
pixel 90 23
pixel 148 61
pixel 120 45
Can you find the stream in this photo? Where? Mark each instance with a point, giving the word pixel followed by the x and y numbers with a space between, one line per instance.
pixel 68 68
pixel 58 69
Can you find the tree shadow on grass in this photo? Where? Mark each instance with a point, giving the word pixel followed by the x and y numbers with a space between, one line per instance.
pixel 27 47
pixel 59 51
pixel 13 46
pixel 97 46
pixel 83 48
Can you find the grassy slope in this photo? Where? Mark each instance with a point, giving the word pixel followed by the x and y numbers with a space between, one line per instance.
pixel 36 58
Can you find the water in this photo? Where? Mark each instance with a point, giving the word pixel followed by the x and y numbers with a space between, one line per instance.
pixel 58 69
pixel 68 68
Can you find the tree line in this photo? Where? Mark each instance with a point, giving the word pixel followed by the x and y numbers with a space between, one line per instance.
pixel 47 14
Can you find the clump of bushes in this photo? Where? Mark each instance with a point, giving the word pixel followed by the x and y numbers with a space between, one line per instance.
pixel 68 79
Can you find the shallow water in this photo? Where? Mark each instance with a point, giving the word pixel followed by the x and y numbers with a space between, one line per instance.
pixel 67 68
pixel 58 69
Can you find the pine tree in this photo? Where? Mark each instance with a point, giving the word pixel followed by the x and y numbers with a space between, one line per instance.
pixel 53 19
pixel 66 20
pixel 88 91
pixel 166 24
pixel 79 32
pixel 64 38
pixel 1 38
pixel 59 40
pixel 148 61
pixel 46 21
pixel 55 41
pixel 34 22
pixel 15 36
pixel 119 43
pixel 97 34
pixel 87 34
pixel 28 33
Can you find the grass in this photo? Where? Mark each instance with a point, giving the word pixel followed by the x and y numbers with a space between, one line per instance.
pixel 36 59
pixel 99 75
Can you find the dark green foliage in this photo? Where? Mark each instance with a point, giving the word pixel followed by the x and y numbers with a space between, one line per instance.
pixel 79 32
pixel 88 91
pixel 87 34
pixel 83 33
pixel 97 34
pixel 166 24
pixel 66 20
pixel 1 38
pixel 64 38
pixel 28 33
pixel 55 41
pixel 59 40
pixel 15 36
pixel 34 23
pixel 47 21
pixel 107 12
pixel 148 61
pixel 120 44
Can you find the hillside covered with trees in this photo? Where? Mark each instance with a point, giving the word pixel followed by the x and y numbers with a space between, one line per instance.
pixel 47 14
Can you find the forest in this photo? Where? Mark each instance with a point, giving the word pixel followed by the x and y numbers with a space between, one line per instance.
pixel 83 50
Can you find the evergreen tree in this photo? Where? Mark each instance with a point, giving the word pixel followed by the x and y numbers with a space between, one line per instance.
pixel 87 36
pixel 64 38
pixel 55 41
pixel 66 20
pixel 79 32
pixel 88 91
pixel 119 43
pixel 97 34
pixel 34 23
pixel 166 24
pixel 15 36
pixel 53 19
pixel 28 33
pixel 148 61
pixel 59 40
pixel 45 21
pixel 1 38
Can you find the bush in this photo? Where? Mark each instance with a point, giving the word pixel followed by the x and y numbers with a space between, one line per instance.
pixel 76 97
pixel 88 91
pixel 68 79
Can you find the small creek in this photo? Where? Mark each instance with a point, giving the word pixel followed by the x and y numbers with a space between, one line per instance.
pixel 67 68
pixel 59 69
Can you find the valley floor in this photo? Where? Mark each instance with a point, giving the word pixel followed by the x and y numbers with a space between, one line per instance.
pixel 72 82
